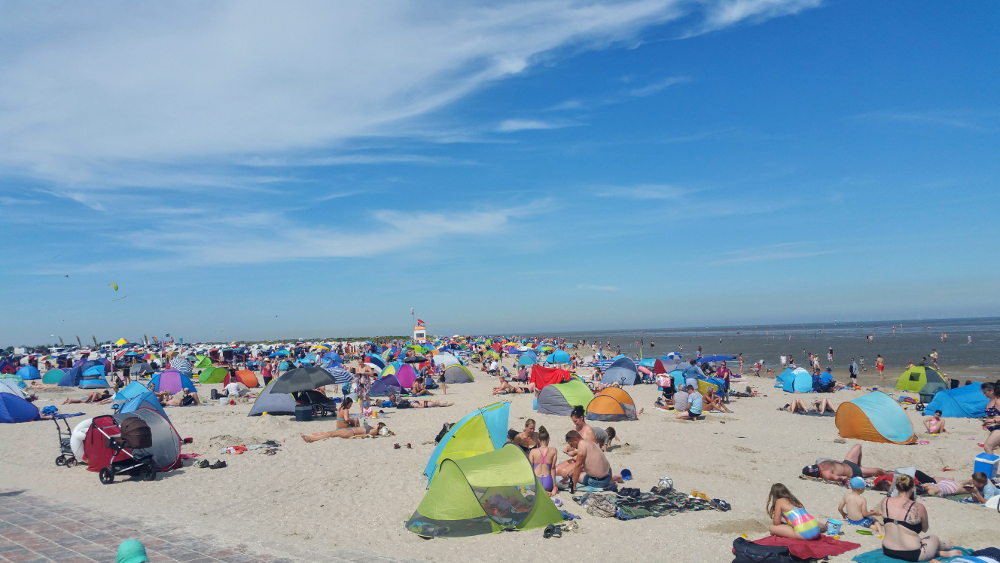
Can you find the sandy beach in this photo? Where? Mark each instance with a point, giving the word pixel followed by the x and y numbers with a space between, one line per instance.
pixel 336 494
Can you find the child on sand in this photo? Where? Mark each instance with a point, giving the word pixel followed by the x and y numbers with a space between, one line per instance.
pixel 935 424
pixel 854 508
pixel 789 517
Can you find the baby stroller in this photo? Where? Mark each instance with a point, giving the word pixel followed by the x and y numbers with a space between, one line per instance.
pixel 66 456
pixel 115 448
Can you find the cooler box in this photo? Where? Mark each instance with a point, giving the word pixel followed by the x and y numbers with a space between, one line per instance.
pixel 987 464
pixel 303 413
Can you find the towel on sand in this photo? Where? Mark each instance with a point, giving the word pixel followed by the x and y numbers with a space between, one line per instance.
pixel 876 556
pixel 825 546
pixel 815 413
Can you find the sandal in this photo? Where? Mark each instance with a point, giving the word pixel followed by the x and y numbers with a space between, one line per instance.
pixel 396 446
pixel 217 465
pixel 549 530
pixel 408 446
pixel 202 464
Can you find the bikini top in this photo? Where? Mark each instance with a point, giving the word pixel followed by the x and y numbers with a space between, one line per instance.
pixel 992 411
pixel 915 528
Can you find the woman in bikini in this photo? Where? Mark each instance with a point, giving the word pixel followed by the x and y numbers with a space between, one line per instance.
pixel 347 433
pixel 905 519
pixel 992 422
pixel 543 459
pixel 344 419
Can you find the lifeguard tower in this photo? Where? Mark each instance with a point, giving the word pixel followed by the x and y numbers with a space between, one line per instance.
pixel 420 332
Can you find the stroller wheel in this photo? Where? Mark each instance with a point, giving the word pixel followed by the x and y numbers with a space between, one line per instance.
pixel 107 475
pixel 149 474
pixel 71 462
pixel 61 460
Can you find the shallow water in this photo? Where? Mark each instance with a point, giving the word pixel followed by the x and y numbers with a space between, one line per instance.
pixel 912 340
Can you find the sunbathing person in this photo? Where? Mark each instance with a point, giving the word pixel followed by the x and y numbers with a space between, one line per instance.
pixel 713 402
pixel 347 433
pixel 97 398
pixel 823 405
pixel 181 399
pixel 935 424
pixel 819 405
pixel 506 387
pixel 400 403
pixel 842 471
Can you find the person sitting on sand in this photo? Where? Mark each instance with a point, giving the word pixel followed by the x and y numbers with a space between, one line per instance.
pixel 842 471
pixel 96 397
pixel 695 405
pixel 344 419
pixel 681 399
pixel 591 467
pixel 827 384
pixel 349 433
pixel 543 462
pixel 935 424
pixel 789 518
pixel 506 387
pixel 713 401
pixel 419 388
pixel 854 508
pixel 905 519
pixel 528 438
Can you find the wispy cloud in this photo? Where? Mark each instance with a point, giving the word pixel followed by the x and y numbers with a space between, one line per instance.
pixel 658 86
pixel 598 287
pixel 513 125
pixel 338 195
pixel 350 159
pixel 972 121
pixel 642 191
pixel 723 14
pixel 782 251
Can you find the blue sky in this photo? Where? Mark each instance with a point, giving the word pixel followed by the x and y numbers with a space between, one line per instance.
pixel 282 170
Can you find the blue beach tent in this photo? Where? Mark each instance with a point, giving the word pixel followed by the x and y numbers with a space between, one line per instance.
pixel 29 372
pixel 962 402
pixel 558 357
pixel 14 409
pixel 796 380
pixel 148 400
pixel 622 371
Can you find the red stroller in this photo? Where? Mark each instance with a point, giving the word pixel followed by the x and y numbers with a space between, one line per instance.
pixel 114 448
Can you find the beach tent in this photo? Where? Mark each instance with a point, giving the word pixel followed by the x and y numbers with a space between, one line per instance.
pixel 484 494
pixel 445 359
pixel 921 379
pixel 27 373
pixel 875 417
pixel 457 374
pixel 179 364
pixel 139 370
pixel 7 367
pixel 173 381
pixel 543 376
pixel 377 360
pixel 244 376
pixel 93 377
pixel 559 399
pixel 483 430
pixel 166 450
pixel 967 401
pixel 202 362
pixel 622 371
pixel 147 400
pixel 10 386
pixel 406 375
pixel 272 403
pixel 390 369
pixel 53 376
pixel 795 380
pixel 14 409
pixel 73 377
pixel 558 357
pixel 526 360
pixel 12 377
pixel 661 366
pixel 385 385
pixel 612 405
pixel 213 375
pixel 130 391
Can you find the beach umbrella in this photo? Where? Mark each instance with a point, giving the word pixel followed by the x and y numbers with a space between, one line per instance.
pixel 415 360
pixel 302 379
pixel 672 356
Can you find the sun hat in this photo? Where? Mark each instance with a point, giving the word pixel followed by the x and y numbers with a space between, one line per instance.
pixel 857 483
pixel 131 551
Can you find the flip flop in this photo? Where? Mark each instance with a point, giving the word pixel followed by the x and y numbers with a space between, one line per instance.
pixel 396 446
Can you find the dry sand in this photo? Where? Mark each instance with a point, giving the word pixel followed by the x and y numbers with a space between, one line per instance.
pixel 356 494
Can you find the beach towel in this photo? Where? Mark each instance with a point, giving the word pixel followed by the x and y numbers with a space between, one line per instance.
pixel 814 413
pixel 825 546
pixel 657 502
pixel 876 556
pixel 868 481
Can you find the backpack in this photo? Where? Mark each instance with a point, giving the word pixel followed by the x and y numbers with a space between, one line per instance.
pixel 749 552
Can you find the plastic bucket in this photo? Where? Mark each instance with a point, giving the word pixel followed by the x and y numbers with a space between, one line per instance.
pixel 833 527
pixel 626 475
pixel 223 401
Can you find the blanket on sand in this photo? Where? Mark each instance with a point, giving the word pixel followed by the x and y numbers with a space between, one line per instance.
pixel 876 556
pixel 825 546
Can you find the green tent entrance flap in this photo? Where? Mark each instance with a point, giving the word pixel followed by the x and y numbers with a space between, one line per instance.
pixel 484 494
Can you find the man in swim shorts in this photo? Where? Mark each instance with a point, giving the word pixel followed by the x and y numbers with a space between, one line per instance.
pixel 591 468
pixel 842 471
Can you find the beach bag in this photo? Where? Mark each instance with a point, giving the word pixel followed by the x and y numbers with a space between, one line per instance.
pixel 749 552
pixel 664 381
pixel 600 505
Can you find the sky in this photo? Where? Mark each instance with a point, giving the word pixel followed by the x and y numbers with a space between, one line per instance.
pixel 303 169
